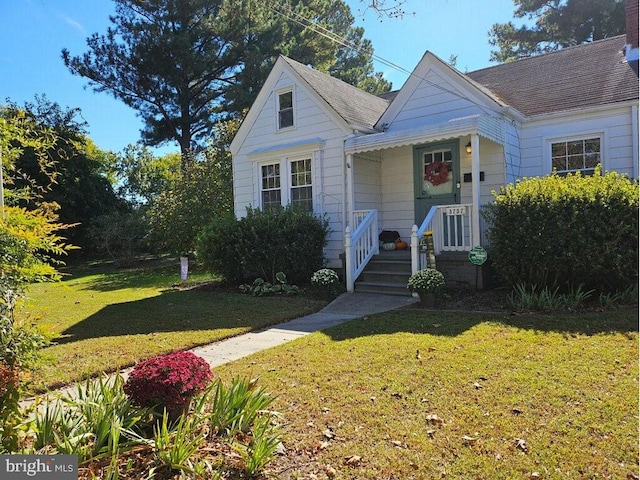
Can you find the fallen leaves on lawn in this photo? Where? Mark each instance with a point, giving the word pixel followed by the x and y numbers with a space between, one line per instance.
pixel 521 444
pixel 330 471
pixel 353 460
pixel 469 440
pixel 433 419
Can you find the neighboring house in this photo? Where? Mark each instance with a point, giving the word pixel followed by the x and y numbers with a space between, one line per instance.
pixel 428 156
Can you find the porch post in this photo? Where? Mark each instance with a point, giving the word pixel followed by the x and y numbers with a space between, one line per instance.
pixel 475 189
pixel 348 253
pixel 415 253
pixel 350 195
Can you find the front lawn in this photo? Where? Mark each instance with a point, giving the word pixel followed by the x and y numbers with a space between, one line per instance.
pixel 414 394
pixel 102 319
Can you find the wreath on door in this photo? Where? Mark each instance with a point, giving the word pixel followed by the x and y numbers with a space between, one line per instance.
pixel 436 173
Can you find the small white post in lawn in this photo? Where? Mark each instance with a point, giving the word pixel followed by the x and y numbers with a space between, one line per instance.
pixel 184 267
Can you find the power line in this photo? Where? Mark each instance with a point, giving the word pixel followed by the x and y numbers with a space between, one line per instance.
pixel 325 32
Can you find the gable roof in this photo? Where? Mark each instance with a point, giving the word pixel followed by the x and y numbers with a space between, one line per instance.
pixel 586 75
pixel 358 108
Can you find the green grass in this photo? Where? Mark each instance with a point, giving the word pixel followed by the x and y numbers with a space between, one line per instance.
pixel 408 394
pixel 508 396
pixel 104 319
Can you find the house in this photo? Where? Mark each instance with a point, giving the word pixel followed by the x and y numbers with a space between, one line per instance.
pixel 428 156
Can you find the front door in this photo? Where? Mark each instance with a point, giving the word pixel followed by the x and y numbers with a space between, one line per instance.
pixel 436 176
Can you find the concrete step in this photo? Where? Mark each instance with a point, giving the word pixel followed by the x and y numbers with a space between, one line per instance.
pixel 387 288
pixel 386 273
pixel 388 276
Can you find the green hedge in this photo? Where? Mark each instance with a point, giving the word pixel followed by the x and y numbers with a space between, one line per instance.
pixel 564 231
pixel 262 244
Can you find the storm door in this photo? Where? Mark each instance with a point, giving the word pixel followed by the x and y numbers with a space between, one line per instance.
pixel 436 176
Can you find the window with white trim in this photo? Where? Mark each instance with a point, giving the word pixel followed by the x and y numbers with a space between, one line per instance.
pixel 285 109
pixel 582 154
pixel 289 181
pixel 301 189
pixel 271 194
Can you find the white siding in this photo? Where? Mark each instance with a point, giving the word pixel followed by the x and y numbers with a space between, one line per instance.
pixel 433 101
pixel 397 191
pixel 614 125
pixel 311 123
pixel 491 163
pixel 367 184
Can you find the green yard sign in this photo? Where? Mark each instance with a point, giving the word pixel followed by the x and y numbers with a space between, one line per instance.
pixel 478 255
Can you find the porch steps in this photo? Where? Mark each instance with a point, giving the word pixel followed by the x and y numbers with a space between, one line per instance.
pixel 386 273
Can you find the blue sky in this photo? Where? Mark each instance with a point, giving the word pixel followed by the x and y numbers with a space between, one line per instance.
pixel 34 32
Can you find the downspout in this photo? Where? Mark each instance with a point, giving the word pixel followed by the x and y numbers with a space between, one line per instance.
pixel 634 139
pixel 475 189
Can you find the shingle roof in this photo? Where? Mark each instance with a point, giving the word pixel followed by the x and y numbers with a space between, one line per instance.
pixel 357 107
pixel 590 74
pixel 585 75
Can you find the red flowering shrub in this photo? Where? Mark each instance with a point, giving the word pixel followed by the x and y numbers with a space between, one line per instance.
pixel 168 381
pixel 8 379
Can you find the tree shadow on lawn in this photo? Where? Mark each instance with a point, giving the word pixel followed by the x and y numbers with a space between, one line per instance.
pixel 187 310
pixel 162 272
pixel 450 324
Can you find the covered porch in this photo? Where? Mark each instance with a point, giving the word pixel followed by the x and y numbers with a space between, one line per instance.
pixel 475 155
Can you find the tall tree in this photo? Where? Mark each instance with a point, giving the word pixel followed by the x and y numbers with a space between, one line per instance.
pixel 71 172
pixel 558 24
pixel 184 64
pixel 178 215
pixel 30 248
pixel 141 176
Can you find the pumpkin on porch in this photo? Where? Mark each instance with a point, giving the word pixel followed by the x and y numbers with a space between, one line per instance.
pixel 389 246
pixel 401 245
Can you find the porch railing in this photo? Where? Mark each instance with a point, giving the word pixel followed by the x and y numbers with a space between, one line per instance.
pixel 452 231
pixel 357 217
pixel 360 245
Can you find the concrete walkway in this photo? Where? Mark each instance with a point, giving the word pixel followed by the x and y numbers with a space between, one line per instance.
pixel 347 306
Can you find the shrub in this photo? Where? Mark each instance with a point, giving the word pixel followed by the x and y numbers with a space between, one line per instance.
pixel 168 381
pixel 8 380
pixel 261 244
pixel 426 281
pixel 324 278
pixel 559 232
pixel 120 235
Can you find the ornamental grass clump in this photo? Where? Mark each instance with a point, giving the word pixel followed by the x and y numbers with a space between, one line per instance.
pixel 426 281
pixel 168 381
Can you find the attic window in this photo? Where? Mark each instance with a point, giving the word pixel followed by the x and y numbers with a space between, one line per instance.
pixel 285 109
pixel 576 155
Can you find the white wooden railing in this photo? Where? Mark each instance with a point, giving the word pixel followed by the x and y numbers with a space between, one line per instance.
pixel 357 216
pixel 360 245
pixel 452 231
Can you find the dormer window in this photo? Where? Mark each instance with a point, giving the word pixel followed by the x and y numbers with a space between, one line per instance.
pixel 285 109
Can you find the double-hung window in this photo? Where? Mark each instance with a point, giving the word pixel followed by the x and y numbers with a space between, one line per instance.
pixel 285 109
pixel 270 192
pixel 288 181
pixel 301 190
pixel 579 154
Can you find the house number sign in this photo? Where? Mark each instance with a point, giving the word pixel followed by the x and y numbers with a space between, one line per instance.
pixel 453 211
pixel 478 255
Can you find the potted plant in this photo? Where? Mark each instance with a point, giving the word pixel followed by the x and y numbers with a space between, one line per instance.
pixel 427 283
pixel 325 282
